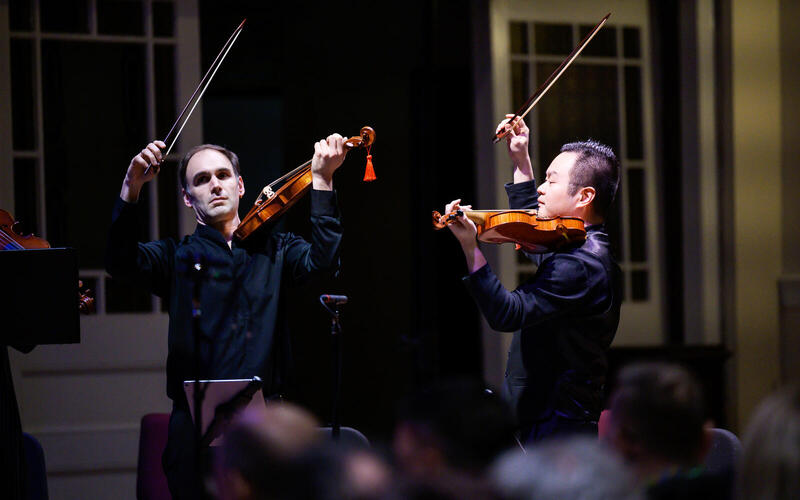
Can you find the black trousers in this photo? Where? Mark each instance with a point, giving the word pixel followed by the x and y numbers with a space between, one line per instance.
pixel 185 471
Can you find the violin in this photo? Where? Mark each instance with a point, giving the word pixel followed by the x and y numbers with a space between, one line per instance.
pixel 522 227
pixel 274 201
pixel 12 239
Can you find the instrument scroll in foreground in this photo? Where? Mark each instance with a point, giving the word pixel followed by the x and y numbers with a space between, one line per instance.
pixel 282 193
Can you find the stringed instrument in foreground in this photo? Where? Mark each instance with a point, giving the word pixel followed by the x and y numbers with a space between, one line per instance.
pixel 12 239
pixel 521 227
pixel 281 194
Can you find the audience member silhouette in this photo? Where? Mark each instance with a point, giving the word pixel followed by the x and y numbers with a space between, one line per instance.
pixel 266 454
pixel 576 467
pixel 770 467
pixel 658 425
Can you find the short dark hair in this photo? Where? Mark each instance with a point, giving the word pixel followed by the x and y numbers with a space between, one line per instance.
pixel 596 166
pixel 660 407
pixel 468 423
pixel 230 155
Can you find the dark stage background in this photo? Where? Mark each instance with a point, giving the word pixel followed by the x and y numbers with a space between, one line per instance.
pixel 297 75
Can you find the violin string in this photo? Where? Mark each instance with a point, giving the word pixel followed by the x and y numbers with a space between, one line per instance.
pixel 8 241
pixel 204 79
pixel 291 173
pixel 189 114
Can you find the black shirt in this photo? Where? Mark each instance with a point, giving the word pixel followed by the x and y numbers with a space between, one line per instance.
pixel 242 324
pixel 567 315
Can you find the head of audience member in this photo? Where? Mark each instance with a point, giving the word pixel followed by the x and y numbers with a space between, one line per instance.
pixel 657 420
pixel 577 467
pixel 265 453
pixel 363 474
pixel 456 425
pixel 770 466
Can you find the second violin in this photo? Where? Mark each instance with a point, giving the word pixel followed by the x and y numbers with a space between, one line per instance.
pixel 279 196
pixel 522 227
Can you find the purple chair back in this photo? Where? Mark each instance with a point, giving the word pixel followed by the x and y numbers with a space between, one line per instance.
pixel 151 483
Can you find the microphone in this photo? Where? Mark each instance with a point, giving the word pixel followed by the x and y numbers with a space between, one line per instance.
pixel 336 300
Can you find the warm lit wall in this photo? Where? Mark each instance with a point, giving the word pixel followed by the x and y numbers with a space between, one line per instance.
pixel 756 185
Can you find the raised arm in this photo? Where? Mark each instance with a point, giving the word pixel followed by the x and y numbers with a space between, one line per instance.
pixel 302 258
pixel 146 264
pixel 517 145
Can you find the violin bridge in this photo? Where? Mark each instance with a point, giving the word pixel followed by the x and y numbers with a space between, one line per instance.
pixel 268 192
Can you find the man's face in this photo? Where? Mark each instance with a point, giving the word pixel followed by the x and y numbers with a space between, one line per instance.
pixel 212 187
pixel 554 197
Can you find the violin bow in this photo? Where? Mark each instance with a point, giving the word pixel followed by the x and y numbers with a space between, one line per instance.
pixel 183 118
pixel 542 90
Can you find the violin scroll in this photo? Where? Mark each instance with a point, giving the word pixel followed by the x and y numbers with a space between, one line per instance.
pixel 364 140
pixel 442 221
pixel 85 300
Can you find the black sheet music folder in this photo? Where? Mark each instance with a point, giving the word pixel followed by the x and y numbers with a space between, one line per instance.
pixel 39 296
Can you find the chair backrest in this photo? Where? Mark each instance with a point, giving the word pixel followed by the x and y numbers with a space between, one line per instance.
pixel 151 483
pixel 348 437
pixel 35 470
pixel 724 451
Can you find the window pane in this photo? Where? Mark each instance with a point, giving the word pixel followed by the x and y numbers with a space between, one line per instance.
pixel 639 286
pixel 634 132
pixel 120 17
pixel 604 43
pixel 163 19
pixel 25 195
pixel 20 15
pixel 168 199
pixel 64 16
pixel 614 225
pixel 584 104
pixel 104 106
pixel 520 83
pixel 630 43
pixel 23 111
pixel 122 298
pixel 519 38
pixel 636 215
pixel 553 38
pixel 166 112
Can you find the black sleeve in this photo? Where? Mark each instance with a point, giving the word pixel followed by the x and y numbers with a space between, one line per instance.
pixel 148 265
pixel 522 195
pixel 525 196
pixel 560 286
pixel 302 258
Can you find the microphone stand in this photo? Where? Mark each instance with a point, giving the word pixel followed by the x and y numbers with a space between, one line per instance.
pixel 336 332
pixel 197 272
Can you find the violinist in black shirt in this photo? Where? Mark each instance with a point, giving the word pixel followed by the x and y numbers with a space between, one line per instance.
pixel 566 316
pixel 242 330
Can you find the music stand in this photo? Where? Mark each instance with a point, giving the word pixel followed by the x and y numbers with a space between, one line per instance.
pixel 222 400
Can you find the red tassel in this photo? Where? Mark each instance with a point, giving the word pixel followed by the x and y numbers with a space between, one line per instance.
pixel 369 173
